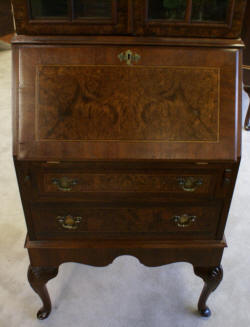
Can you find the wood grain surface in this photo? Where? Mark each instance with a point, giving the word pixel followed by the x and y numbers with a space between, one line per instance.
pixel 118 24
pixel 188 28
pixel 130 17
pixel 99 146
pixel 126 222
pixel 127 182
pixel 128 103
pixel 71 109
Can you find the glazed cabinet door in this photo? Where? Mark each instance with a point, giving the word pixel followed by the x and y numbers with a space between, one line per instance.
pixel 66 17
pixel 194 18
pixel 119 102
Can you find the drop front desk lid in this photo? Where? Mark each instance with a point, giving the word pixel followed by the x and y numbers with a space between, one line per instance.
pixel 88 102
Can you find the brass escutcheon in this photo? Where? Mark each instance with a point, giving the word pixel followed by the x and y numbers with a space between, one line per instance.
pixel 129 57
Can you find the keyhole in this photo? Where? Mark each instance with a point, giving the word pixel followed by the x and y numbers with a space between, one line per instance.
pixel 129 56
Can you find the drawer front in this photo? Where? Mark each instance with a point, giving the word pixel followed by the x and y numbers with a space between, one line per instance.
pixel 74 222
pixel 65 183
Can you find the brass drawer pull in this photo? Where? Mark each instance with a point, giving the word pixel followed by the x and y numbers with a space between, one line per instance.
pixel 184 220
pixel 129 57
pixel 64 184
pixel 190 184
pixel 69 222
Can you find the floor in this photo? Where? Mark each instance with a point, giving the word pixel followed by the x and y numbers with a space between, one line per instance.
pixel 124 294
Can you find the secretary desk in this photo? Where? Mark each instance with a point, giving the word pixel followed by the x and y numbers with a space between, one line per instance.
pixel 126 132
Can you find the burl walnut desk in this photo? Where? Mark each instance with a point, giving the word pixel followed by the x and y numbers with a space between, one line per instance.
pixel 127 132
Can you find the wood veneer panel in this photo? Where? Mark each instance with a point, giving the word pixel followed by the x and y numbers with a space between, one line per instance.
pixel 144 130
pixel 97 221
pixel 115 103
pixel 127 182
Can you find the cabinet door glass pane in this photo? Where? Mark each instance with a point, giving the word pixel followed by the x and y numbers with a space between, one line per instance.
pixel 93 8
pixel 210 10
pixel 51 9
pixel 167 9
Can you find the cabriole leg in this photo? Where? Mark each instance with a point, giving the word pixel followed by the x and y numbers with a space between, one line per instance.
pixel 38 277
pixel 212 277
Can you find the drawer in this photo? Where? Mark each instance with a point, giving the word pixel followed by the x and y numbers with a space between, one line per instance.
pixel 109 221
pixel 124 184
